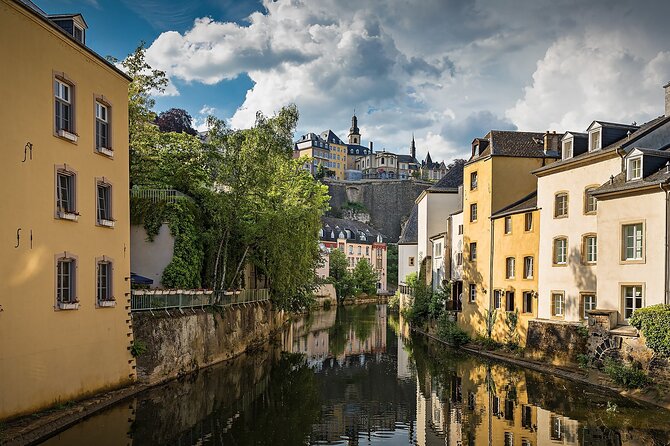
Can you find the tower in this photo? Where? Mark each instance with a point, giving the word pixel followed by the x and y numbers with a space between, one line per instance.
pixel 412 148
pixel 354 132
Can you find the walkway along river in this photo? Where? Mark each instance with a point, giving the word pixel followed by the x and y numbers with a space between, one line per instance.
pixel 354 376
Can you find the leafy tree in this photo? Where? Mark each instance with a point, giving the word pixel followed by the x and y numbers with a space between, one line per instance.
pixel 365 278
pixel 392 265
pixel 175 120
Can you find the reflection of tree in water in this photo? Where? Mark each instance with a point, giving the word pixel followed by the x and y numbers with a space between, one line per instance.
pixel 359 318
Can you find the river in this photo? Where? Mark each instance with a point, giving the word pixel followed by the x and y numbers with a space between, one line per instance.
pixel 355 376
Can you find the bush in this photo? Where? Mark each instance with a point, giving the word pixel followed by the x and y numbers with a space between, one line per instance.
pixel 654 323
pixel 624 375
pixel 450 332
pixel 583 361
pixel 138 348
pixel 394 301
pixel 487 343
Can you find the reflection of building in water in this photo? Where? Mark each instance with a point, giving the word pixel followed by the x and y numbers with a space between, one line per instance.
pixel 403 369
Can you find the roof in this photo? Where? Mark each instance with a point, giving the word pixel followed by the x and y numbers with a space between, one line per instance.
pixel 331 137
pixel 618 183
pixel 410 232
pixel 357 230
pixel 527 203
pixel 625 141
pixel 516 144
pixel 37 12
pixel 452 179
pixel 407 159
pixel 615 125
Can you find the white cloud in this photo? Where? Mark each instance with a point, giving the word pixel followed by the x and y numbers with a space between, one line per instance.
pixel 206 110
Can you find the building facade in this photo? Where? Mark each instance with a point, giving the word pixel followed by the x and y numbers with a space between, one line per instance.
pixel 331 156
pixel 64 326
pixel 407 247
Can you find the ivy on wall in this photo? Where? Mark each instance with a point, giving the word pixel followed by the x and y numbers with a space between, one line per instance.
pixel 181 216
pixel 654 322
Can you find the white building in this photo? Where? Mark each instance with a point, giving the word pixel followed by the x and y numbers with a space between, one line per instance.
pixel 407 247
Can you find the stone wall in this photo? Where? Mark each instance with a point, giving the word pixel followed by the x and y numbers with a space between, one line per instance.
pixel 177 343
pixel 389 202
pixel 555 342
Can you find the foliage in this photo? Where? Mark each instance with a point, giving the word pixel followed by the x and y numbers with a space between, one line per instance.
pixel 450 332
pixel 425 303
pixel 583 361
pixel 394 301
pixel 627 376
pixel 355 206
pixel 512 321
pixel 175 120
pixel 491 316
pixel 654 323
pixel 323 172
pixel 338 273
pixel 365 278
pixel 487 342
pixel 392 265
pixel 138 348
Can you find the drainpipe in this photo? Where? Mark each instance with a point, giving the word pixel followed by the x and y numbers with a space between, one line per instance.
pixel 492 250
pixel 622 153
pixel 667 245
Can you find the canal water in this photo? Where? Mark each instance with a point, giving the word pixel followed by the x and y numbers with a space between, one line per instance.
pixel 355 376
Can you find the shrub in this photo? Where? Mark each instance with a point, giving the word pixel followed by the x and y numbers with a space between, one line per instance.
pixel 394 301
pixel 138 348
pixel 654 322
pixel 626 376
pixel 450 332
pixel 583 361
pixel 487 343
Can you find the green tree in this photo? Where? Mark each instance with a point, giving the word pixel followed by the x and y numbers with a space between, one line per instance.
pixel 340 275
pixel 365 278
pixel 392 265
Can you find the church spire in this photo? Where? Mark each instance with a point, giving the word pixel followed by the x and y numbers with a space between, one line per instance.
pixel 412 148
pixel 354 132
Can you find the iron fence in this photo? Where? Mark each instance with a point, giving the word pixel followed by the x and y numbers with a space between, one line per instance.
pixel 149 300
pixel 156 195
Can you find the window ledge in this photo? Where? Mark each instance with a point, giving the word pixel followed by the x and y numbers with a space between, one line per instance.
pixel 71 216
pixel 68 305
pixel 106 223
pixel 68 135
pixel 110 303
pixel 106 151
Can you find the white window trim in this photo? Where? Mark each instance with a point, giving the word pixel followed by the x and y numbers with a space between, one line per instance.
pixel 597 130
pixel 629 168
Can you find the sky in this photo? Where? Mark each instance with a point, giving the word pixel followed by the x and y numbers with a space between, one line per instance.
pixel 446 71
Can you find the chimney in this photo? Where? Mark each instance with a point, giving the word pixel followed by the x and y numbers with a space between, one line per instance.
pixel 551 141
pixel 370 146
pixel 667 99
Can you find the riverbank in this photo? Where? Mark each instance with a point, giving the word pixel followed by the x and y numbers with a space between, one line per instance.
pixel 589 376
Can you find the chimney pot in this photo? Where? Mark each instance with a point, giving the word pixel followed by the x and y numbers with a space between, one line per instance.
pixel 667 99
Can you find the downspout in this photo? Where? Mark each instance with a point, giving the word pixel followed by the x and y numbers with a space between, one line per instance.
pixel 667 245
pixel 492 250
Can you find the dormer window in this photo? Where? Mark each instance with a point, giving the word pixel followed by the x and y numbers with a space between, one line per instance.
pixel 78 34
pixel 634 171
pixel 594 140
pixel 567 149
pixel 321 233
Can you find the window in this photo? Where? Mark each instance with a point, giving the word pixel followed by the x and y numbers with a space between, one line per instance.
pixel 459 258
pixel 411 261
pixel 528 222
pixel 556 427
pixel 509 437
pixel 595 140
pixel 509 301
pixel 508 225
pixel 351 250
pixel 589 302
pixel 497 299
pixel 590 249
pixel 567 149
pixel 560 251
pixel 473 212
pixel 65 194
pixel 63 102
pixel 104 282
pixel 557 304
pixel 360 250
pixel 473 251
pixel 634 168
pixel 438 250
pixel 527 416
pixel 590 202
pixel 65 280
pixel 101 126
pixel 367 250
pixel 460 229
pixel 527 298
pixel 528 267
pixel 104 204
pixel 78 34
pixel 632 242
pixel 561 205
pixel 473 180
pixel 473 292
pixel 632 300
pixel 510 264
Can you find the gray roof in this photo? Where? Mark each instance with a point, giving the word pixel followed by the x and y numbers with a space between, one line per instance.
pixel 407 159
pixel 410 232
pixel 527 203
pixel 452 179
pixel 517 144
pixel 331 137
pixel 356 230
pixel 618 183
pixel 625 141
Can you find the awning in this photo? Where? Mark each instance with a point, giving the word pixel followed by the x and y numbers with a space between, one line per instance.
pixel 140 280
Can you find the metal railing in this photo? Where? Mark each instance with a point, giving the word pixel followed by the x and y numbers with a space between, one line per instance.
pixel 149 300
pixel 156 195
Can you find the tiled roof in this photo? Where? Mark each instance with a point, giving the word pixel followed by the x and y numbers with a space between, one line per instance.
pixel 643 130
pixel 452 179
pixel 410 232
pixel 517 144
pixel 356 229
pixel 407 159
pixel 618 183
pixel 527 203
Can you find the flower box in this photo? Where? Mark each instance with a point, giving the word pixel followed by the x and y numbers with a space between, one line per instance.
pixel 107 151
pixel 68 135
pixel 106 223
pixel 68 305
pixel 72 216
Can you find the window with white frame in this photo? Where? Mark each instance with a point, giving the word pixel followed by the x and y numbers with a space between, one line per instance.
pixel 438 250
pixel 590 202
pixel 473 292
pixel 65 193
pixel 528 267
pixel 508 225
pixel 63 102
pixel 561 205
pixel 510 263
pixel 594 140
pixel 473 251
pixel 459 258
pixel 557 304
pixel 560 255
pixel 104 193
pixel 497 299
pixel 590 248
pixel 589 302
pixel 460 229
pixel 632 299
pixel 473 212
pixel 351 249
pixel 634 171
pixel 101 126
pixel 104 281
pixel 509 301
pixel 567 149
pixel 527 302
pixel 632 242
pixel 65 280
pixel 473 180
pixel 528 221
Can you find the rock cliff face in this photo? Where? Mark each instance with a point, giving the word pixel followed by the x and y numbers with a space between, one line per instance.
pixel 388 202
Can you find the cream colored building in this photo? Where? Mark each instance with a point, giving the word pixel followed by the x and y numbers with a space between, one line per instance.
pixel 407 247
pixel 64 326
pixel 570 257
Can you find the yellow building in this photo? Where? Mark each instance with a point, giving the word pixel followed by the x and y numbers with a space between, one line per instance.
pixel 516 244
pixel 325 150
pixel 64 322
pixel 498 173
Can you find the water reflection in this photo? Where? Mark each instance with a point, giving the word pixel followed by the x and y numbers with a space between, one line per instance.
pixel 355 376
